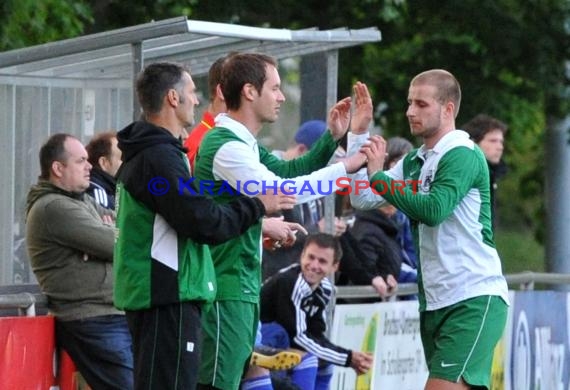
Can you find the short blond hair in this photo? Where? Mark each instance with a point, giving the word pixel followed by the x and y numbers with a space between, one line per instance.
pixel 447 86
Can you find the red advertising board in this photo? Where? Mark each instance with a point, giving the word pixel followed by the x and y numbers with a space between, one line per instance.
pixel 28 358
pixel 27 353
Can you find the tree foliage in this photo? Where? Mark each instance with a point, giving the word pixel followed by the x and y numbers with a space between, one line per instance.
pixel 113 14
pixel 30 22
pixel 509 57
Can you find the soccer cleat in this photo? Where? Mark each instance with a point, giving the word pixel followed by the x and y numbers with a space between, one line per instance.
pixel 273 358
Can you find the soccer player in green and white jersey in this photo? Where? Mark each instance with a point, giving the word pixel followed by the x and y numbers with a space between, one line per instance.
pixel 463 293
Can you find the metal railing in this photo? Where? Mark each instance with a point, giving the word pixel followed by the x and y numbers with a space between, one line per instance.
pixel 524 280
pixel 26 302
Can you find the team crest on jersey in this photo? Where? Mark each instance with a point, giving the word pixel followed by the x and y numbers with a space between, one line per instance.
pixel 425 185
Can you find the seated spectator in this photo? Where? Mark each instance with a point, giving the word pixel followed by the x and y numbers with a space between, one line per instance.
pixel 296 299
pixel 70 245
pixel 105 158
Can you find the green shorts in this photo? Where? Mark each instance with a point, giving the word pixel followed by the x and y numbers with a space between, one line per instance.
pixel 228 335
pixel 459 340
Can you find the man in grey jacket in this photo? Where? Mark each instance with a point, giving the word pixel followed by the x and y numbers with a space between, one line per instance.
pixel 70 244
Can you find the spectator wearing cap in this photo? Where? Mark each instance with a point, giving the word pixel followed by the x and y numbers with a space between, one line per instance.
pixel 305 137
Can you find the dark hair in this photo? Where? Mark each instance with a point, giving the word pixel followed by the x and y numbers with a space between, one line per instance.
pixel 241 69
pixel 396 147
pixel 52 150
pixel 324 240
pixel 448 89
pixel 154 82
pixel 100 146
pixel 215 76
pixel 482 124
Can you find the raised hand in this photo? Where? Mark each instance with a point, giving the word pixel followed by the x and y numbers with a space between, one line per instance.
pixel 339 118
pixel 363 109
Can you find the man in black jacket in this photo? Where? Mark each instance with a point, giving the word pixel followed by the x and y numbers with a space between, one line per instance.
pixel 296 299
pixel 105 157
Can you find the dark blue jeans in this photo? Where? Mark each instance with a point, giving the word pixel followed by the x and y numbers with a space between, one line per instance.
pixel 101 348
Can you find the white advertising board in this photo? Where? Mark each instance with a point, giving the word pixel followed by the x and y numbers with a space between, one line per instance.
pixel 390 331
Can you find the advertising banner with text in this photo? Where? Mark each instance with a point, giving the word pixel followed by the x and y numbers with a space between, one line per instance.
pixel 391 332
pixel 534 353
